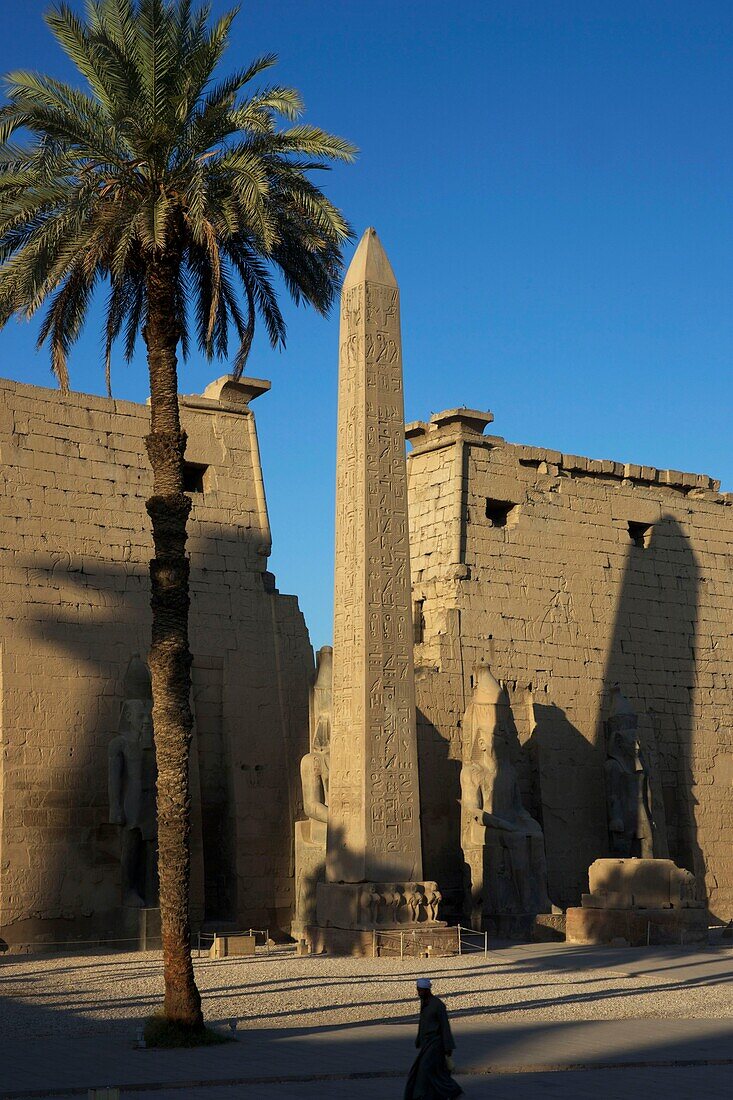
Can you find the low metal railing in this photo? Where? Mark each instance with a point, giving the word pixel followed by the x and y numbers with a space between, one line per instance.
pixel 200 941
pixel 469 940
pixel 205 940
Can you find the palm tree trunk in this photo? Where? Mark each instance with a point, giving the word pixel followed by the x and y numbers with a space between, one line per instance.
pixel 170 658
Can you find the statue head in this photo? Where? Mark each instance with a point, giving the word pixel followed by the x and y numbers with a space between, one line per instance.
pixel 136 720
pixel 488 733
pixel 136 682
pixel 486 688
pixel 322 736
pixel 324 666
pixel 321 701
pixel 136 712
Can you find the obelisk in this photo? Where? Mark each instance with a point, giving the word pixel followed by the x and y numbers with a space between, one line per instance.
pixel 373 847
pixel 374 811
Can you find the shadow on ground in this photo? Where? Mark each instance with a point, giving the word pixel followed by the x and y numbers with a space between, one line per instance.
pixel 52 1042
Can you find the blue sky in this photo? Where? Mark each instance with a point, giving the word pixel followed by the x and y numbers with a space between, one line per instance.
pixel 553 184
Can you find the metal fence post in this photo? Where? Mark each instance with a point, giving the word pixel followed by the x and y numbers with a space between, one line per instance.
pixel 460 951
pixel 486 943
pixel 402 945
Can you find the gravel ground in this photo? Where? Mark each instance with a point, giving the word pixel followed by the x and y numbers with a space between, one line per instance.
pixel 90 994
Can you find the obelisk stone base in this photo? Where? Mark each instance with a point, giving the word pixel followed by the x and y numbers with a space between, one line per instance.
pixel 411 941
pixel 368 918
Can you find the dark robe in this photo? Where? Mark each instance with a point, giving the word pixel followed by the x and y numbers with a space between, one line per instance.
pixel 429 1078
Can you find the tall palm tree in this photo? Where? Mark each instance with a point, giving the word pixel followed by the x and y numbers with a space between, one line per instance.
pixel 184 196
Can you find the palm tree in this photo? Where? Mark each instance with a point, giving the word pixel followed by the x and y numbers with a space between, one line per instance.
pixel 185 197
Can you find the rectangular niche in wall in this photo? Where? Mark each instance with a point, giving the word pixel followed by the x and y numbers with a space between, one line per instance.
pixel 640 533
pixel 501 513
pixel 194 477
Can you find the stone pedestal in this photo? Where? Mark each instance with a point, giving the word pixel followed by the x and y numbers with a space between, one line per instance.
pixel 225 946
pixel 636 927
pixel 638 902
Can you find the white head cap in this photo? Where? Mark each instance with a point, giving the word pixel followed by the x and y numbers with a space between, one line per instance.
pixel 424 983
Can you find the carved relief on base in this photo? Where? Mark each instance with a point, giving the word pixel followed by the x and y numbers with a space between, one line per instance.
pixel 378 905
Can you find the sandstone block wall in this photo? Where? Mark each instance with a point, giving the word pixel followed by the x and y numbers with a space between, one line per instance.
pixel 74 550
pixel 569 575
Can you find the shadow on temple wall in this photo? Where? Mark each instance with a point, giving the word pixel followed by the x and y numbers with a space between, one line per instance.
pixel 95 614
pixel 440 808
pixel 568 799
pixel 652 658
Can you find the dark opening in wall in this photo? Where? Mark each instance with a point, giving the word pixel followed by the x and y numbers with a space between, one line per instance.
pixel 640 533
pixel 193 477
pixel 418 621
pixel 501 513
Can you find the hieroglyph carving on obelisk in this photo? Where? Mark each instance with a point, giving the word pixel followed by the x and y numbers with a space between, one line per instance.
pixel 374 808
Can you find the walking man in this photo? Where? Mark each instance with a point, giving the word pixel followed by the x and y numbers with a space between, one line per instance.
pixel 430 1077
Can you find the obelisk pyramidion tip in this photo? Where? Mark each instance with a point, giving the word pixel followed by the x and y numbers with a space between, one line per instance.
pixel 370 263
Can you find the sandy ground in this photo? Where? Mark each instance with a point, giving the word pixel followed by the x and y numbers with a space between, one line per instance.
pixel 88 994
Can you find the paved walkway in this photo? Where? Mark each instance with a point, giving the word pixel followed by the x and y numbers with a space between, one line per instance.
pixel 522 1057
pixel 329 1061
pixel 679 1084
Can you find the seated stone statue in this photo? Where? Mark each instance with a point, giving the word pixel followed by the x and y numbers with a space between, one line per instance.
pixel 314 776
pixel 628 792
pixel 131 779
pixel 502 843
pixel 310 835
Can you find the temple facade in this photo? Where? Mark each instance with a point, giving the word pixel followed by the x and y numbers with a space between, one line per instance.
pixel 598 593
pixel 575 579
pixel 77 767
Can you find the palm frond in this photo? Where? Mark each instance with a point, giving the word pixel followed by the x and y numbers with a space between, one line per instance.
pixel 157 164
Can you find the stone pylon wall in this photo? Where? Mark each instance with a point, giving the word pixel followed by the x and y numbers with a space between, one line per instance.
pixel 74 550
pixel 569 575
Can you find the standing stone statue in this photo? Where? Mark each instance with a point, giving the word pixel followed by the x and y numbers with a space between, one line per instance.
pixel 503 846
pixel 374 842
pixel 310 835
pixel 131 777
pixel 628 791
